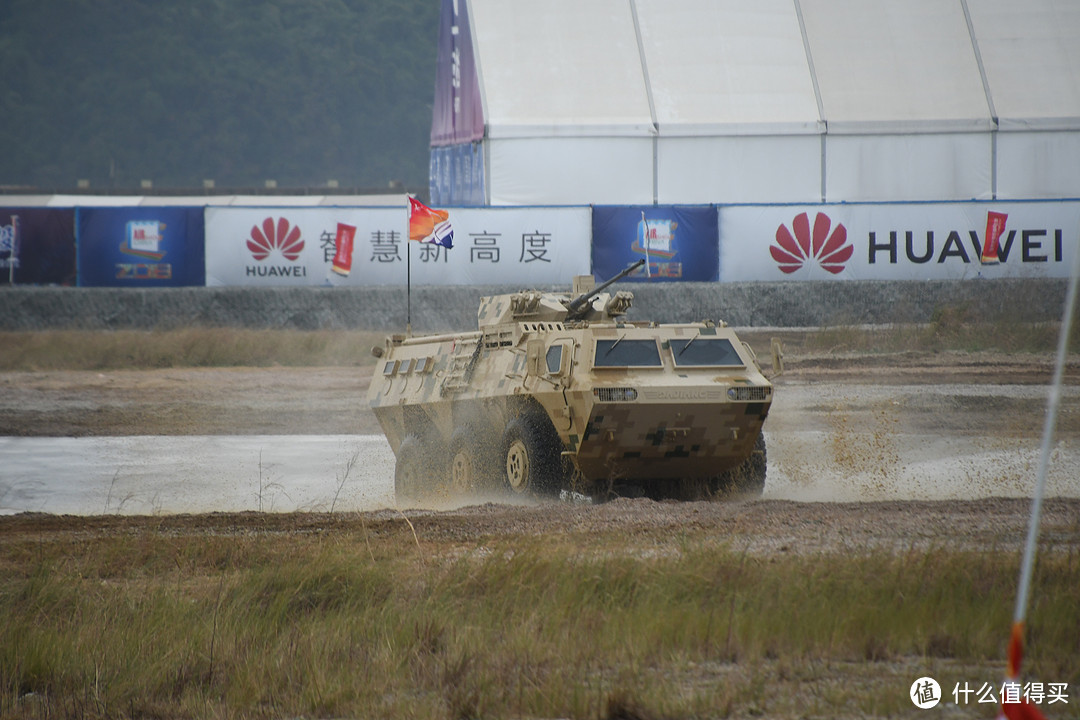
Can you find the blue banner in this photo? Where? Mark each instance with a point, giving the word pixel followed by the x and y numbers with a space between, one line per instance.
pixel 141 247
pixel 458 115
pixel 37 246
pixel 456 175
pixel 681 243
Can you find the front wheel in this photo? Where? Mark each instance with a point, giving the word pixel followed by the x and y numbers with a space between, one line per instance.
pixel 532 457
pixel 748 478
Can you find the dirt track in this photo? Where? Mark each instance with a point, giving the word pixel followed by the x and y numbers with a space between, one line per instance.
pixel 331 400
pixel 865 401
pixel 759 527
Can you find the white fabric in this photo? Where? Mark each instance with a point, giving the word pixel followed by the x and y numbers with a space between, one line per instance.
pixel 785 168
pixel 726 65
pixel 559 66
pixel 1038 164
pixel 908 167
pixel 1032 60
pixel 909 64
pixel 573 170
pixel 587 101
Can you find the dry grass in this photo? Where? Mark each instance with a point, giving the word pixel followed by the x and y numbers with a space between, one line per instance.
pixel 957 327
pixel 352 622
pixel 192 347
pixel 951 328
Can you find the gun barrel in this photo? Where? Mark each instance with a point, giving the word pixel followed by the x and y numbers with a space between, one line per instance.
pixel 583 298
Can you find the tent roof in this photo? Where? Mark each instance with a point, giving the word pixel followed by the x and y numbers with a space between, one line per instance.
pixel 727 63
pixel 902 65
pixel 544 66
pixel 726 67
pixel 1032 60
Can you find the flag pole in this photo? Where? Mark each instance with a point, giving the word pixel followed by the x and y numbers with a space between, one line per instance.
pixel 408 268
pixel 1049 424
pixel 13 255
pixel 645 237
pixel 1027 565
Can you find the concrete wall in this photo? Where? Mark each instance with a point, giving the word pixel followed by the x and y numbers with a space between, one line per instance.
pixel 435 309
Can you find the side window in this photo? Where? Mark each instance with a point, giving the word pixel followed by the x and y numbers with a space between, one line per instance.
pixel 554 359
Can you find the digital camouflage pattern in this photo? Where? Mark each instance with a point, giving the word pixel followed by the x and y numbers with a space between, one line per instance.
pixel 558 392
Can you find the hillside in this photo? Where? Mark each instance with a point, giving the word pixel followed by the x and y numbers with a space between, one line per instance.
pixel 299 91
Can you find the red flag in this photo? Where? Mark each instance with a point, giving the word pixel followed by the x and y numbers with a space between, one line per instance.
pixel 344 244
pixel 430 226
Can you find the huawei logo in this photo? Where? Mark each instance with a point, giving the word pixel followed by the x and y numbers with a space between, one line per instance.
pixel 830 252
pixel 265 239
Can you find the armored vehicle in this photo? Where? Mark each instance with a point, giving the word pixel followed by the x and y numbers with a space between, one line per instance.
pixel 559 392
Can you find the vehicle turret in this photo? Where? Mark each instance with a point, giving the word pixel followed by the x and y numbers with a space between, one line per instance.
pixel 588 302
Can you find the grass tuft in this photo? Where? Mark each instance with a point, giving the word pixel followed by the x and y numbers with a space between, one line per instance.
pixel 337 625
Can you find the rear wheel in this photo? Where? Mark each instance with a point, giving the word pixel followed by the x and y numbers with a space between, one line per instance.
pixel 470 465
pixel 532 457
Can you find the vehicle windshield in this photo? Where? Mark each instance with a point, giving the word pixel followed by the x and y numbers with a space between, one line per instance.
pixel 698 351
pixel 627 353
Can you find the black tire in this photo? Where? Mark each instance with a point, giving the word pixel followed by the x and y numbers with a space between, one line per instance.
pixel 532 457
pixel 416 471
pixel 748 478
pixel 471 464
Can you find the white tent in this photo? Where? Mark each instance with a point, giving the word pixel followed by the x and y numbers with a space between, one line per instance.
pixel 724 101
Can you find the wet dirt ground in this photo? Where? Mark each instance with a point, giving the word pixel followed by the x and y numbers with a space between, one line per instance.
pixel 863 449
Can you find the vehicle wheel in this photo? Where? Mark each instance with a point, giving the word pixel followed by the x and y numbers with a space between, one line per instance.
pixel 748 478
pixel 531 451
pixel 470 465
pixel 415 475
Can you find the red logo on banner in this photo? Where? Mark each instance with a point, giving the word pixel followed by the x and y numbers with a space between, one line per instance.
pixel 343 245
pixel 794 249
pixel 268 237
pixel 995 225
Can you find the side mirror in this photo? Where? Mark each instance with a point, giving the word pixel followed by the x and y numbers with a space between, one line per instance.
pixel 535 355
pixel 777 351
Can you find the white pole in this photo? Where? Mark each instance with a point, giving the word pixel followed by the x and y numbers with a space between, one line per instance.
pixel 645 238
pixel 408 267
pixel 1027 565
pixel 12 258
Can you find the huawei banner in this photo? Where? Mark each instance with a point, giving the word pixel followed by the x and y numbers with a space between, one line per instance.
pixel 907 241
pixel 298 246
